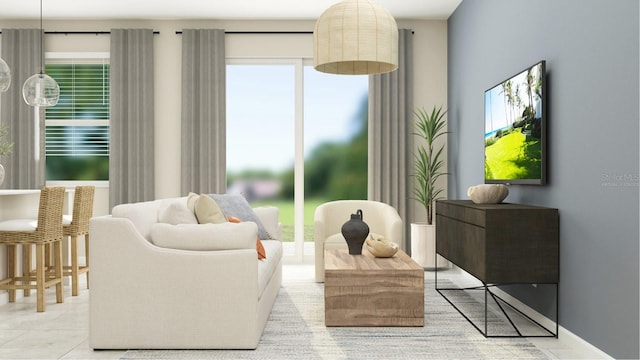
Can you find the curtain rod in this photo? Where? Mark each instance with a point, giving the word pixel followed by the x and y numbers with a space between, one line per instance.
pixel 177 32
pixel 261 32
pixel 269 32
pixel 83 32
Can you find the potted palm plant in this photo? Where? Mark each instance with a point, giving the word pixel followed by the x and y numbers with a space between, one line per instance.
pixel 428 167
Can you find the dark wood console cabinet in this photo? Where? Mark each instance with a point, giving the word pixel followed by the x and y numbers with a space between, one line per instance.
pixel 499 244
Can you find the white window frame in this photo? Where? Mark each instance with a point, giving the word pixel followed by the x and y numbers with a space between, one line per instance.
pixel 90 57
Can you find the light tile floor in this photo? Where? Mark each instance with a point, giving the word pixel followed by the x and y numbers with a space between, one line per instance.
pixel 62 331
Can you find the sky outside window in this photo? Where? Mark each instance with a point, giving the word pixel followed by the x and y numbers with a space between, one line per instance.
pixel 260 113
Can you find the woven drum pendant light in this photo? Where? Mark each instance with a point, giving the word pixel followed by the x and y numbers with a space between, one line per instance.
pixel 355 37
pixel 41 89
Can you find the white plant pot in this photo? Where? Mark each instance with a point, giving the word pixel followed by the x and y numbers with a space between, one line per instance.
pixel 423 246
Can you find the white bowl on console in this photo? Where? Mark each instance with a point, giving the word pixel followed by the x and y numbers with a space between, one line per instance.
pixel 488 193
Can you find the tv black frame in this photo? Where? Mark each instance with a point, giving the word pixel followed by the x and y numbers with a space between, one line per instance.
pixel 543 131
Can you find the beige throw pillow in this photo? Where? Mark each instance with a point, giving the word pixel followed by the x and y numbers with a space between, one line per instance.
pixel 191 201
pixel 208 212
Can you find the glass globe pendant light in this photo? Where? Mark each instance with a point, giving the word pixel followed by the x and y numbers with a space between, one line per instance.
pixel 41 89
pixel 5 76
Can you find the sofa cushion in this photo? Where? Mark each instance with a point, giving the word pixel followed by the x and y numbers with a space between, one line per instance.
pixel 225 236
pixel 267 268
pixel 176 213
pixel 237 206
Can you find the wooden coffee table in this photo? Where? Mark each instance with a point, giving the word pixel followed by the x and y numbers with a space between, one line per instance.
pixel 362 290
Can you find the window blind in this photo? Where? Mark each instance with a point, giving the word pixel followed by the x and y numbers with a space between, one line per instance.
pixel 77 140
pixel 79 124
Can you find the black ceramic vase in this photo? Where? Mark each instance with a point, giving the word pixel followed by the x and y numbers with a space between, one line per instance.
pixel 355 231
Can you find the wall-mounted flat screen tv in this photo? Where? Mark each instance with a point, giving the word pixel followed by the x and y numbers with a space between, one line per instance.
pixel 515 129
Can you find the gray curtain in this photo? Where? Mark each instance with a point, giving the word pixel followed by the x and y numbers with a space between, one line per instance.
pixel 390 128
pixel 25 166
pixel 131 157
pixel 203 136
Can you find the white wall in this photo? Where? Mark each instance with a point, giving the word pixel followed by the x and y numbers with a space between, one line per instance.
pixel 430 83
pixel 430 64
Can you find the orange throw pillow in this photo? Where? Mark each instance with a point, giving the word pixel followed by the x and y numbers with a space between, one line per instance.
pixel 262 254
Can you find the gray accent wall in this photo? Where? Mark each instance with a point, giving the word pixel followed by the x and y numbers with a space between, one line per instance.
pixel 591 48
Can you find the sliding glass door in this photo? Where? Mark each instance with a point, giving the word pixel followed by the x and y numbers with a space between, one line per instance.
pixel 295 138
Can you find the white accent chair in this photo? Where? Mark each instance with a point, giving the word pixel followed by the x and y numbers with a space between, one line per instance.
pixel 383 220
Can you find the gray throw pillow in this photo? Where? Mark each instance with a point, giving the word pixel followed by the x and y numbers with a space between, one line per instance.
pixel 237 206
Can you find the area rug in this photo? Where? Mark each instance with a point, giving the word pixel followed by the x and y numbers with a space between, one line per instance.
pixel 296 330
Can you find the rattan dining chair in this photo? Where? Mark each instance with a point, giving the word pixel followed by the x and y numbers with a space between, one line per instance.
pixel 27 232
pixel 78 225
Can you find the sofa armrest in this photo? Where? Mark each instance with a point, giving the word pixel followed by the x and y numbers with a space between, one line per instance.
pixel 269 216
pixel 134 282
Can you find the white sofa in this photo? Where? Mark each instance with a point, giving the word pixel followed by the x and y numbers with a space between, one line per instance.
pixel 144 296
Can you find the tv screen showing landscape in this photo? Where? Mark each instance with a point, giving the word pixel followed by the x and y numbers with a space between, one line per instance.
pixel 515 129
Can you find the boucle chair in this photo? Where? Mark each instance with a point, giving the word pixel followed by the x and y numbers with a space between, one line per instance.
pixel 27 232
pixel 383 220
